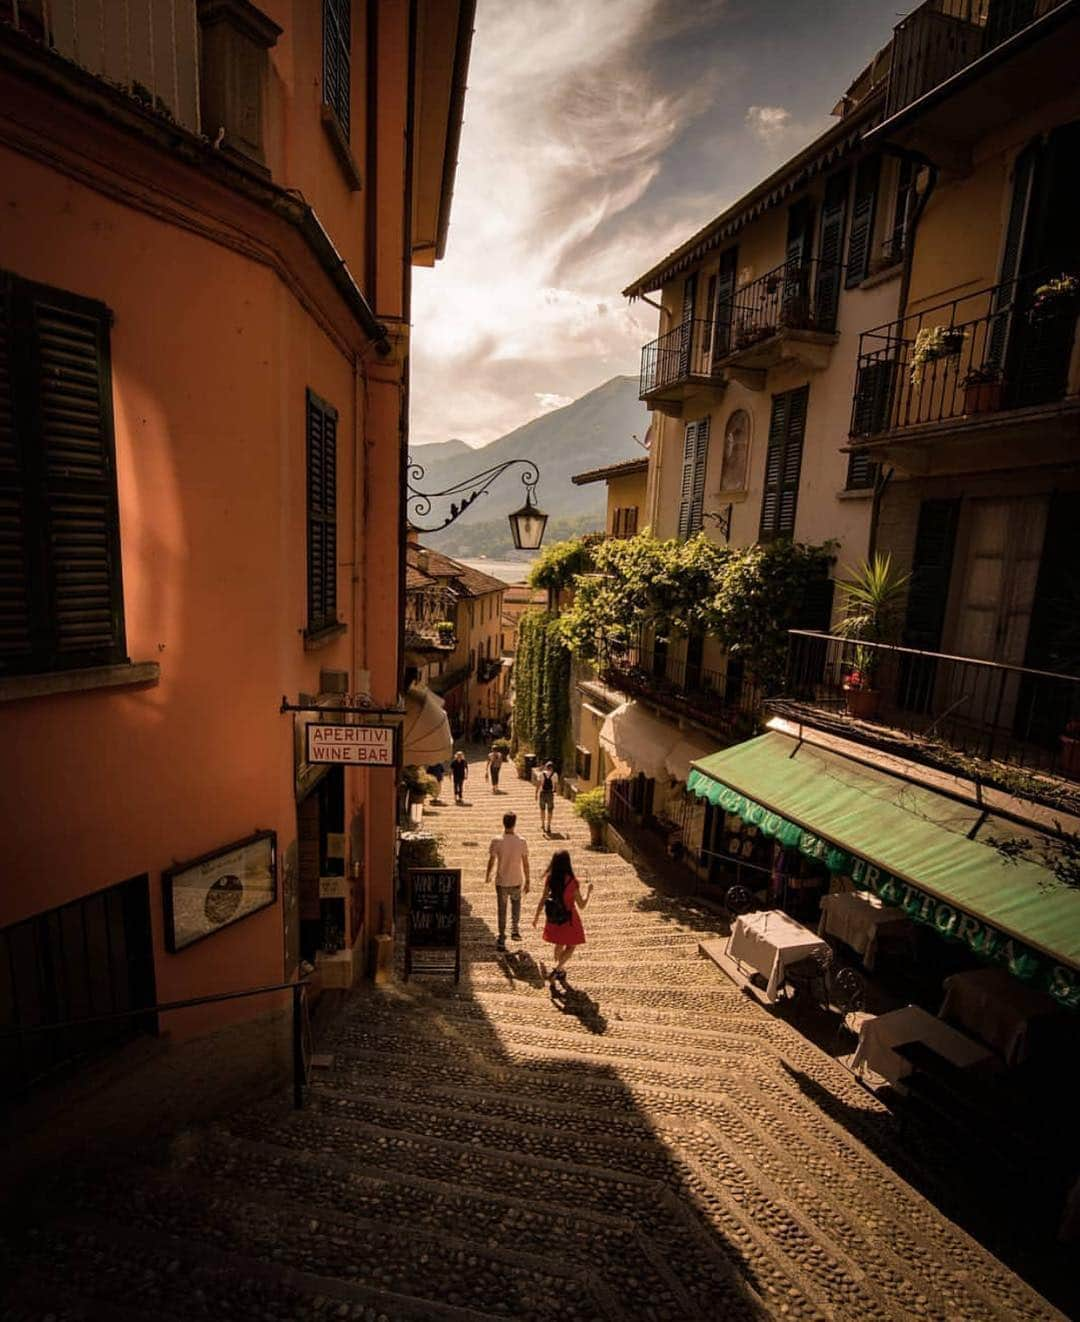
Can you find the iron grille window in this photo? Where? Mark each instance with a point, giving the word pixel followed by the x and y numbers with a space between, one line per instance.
pixel 61 597
pixel 336 42
pixel 783 464
pixel 322 513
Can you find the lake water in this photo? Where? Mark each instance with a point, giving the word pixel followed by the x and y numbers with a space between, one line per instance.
pixel 510 571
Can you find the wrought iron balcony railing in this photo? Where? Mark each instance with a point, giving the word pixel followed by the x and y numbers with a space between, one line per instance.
pixel 941 37
pixel 797 295
pixel 489 668
pixel 682 355
pixel 721 700
pixel 148 49
pixel 1004 347
pixel 929 706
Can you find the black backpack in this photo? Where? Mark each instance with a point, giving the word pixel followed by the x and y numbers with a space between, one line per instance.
pixel 555 910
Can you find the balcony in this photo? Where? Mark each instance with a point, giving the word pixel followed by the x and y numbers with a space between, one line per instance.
pixel 786 316
pixel 962 384
pixel 679 366
pixel 489 668
pixel 148 48
pixel 718 701
pixel 939 710
pixel 450 679
pixel 1023 56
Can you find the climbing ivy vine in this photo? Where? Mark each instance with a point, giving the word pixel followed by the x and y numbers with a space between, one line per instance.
pixel 541 688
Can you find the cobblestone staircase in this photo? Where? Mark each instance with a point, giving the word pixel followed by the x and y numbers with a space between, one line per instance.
pixel 649 1145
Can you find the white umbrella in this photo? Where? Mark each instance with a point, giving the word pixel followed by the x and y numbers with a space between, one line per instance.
pixel 426 731
pixel 638 740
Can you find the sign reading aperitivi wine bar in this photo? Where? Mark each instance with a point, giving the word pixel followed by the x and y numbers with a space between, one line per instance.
pixel 354 745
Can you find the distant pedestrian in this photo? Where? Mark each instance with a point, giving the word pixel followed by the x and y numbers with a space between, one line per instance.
pixel 508 867
pixel 494 766
pixel 459 771
pixel 546 785
pixel 438 771
pixel 560 902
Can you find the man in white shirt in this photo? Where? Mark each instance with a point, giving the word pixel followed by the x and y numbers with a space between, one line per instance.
pixel 508 865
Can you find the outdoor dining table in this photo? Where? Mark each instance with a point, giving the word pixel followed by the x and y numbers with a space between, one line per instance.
pixel 879 1038
pixel 995 1007
pixel 768 941
pixel 859 919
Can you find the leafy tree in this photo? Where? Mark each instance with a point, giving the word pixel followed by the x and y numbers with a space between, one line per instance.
pixel 556 568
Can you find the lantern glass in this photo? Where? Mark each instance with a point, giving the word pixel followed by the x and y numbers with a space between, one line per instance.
pixel 527 525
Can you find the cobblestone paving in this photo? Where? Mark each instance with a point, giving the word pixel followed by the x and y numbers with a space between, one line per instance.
pixel 649 1145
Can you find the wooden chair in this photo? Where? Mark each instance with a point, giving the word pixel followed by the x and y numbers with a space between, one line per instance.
pixel 810 974
pixel 849 998
pixel 739 901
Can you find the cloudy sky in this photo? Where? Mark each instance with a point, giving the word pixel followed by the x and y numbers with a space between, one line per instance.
pixel 597 137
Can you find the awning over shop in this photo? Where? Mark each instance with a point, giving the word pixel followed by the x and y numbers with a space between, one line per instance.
pixel 908 844
pixel 688 750
pixel 426 731
pixel 637 740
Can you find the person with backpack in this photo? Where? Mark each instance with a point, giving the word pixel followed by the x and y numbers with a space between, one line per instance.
pixel 546 785
pixel 459 769
pixel 494 766
pixel 560 902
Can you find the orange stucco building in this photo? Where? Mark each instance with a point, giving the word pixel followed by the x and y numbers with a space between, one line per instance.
pixel 206 233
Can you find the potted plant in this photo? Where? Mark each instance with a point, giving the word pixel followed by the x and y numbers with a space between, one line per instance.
pixel 932 343
pixel 444 631
pixel 872 598
pixel 592 810
pixel 1055 298
pixel 418 784
pixel 501 746
pixel 982 390
pixel 1070 750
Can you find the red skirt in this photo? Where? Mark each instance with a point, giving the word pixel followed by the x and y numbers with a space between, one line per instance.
pixel 571 933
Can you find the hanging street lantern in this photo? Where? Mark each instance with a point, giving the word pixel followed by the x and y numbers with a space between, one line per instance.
pixel 526 524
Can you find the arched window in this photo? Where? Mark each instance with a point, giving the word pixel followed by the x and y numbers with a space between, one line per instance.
pixel 736 452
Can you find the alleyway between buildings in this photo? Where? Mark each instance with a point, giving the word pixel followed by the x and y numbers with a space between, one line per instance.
pixel 650 1144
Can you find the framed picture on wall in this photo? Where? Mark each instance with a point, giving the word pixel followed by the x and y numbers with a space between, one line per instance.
pixel 218 889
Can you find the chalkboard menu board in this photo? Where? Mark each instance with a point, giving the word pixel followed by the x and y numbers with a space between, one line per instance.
pixel 434 926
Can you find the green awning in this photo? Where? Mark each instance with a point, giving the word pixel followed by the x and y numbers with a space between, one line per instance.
pixel 907 843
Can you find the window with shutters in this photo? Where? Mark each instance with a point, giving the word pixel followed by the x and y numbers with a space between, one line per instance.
pixel 630 521
pixel 862 471
pixel 831 251
pixel 783 464
pixel 61 598
pixel 863 206
pixel 336 69
pixel 322 514
pixel 692 493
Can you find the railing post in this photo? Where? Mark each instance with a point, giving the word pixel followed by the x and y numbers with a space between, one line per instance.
pixel 298 1045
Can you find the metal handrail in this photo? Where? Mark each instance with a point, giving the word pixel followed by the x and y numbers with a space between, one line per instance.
pixel 301 1023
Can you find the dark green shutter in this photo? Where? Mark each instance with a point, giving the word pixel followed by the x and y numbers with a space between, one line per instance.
pixel 725 294
pixel 14 570
pixel 931 569
pixel 1015 232
pixel 831 251
pixel 862 471
pixel 336 69
pixel 867 176
pixel 692 491
pixel 322 513
pixel 707 329
pixel 783 464
pixel 874 397
pixel 61 594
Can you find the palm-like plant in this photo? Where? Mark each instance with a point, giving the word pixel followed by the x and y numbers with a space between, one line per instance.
pixel 873 601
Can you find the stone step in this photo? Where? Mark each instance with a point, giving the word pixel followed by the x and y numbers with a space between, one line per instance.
pixel 115 1267
pixel 638 1281
pixel 259 1224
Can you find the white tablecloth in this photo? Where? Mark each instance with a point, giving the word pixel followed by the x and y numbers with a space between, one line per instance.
pixel 857 919
pixel 994 1007
pixel 879 1036
pixel 769 941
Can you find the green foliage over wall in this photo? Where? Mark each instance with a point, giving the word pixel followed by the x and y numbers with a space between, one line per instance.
pixel 541 687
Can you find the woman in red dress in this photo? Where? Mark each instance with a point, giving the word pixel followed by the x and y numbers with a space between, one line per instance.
pixel 561 900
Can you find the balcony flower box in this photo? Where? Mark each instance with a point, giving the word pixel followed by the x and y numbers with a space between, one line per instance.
pixel 1057 298
pixel 932 343
pixel 982 391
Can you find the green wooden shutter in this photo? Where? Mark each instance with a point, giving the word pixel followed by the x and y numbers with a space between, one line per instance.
pixel 336 68
pixel 692 491
pixel 931 569
pixel 1015 234
pixel 874 388
pixel 867 176
pixel 862 471
pixel 831 251
pixel 774 464
pixel 686 489
pixel 14 570
pixel 707 329
pixel 322 513
pixel 724 306
pixel 792 466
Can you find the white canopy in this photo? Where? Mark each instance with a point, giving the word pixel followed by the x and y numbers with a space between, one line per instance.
pixel 637 740
pixel 426 731
pixel 689 748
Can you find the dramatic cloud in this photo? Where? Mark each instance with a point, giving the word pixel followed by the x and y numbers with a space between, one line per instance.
pixel 548 402
pixel 597 137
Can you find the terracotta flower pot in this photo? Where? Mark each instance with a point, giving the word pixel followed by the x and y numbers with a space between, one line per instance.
pixel 1070 756
pixel 863 704
pixel 982 397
